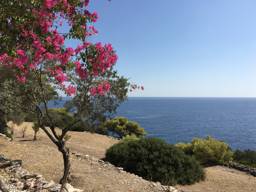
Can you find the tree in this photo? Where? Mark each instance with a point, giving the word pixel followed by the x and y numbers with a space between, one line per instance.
pixel 36 128
pixel 99 108
pixel 15 100
pixel 122 127
pixel 33 49
pixel 10 106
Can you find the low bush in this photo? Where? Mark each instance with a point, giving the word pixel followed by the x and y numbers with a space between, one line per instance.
pixel 155 160
pixel 185 147
pixel 208 151
pixel 121 127
pixel 62 118
pixel 247 157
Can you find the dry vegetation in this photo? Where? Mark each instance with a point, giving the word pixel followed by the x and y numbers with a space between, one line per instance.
pixel 42 157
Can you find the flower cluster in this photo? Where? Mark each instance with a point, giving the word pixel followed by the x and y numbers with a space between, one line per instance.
pixel 47 52
pixel 101 89
pixel 103 57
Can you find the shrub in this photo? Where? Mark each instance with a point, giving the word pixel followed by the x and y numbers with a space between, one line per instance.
pixel 185 147
pixel 208 151
pixel 130 138
pixel 60 117
pixel 121 127
pixel 155 160
pixel 247 157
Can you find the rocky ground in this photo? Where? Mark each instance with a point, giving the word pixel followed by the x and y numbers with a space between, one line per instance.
pixel 91 174
pixel 13 178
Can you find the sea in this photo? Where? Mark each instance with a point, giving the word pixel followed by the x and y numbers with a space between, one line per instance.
pixel 232 120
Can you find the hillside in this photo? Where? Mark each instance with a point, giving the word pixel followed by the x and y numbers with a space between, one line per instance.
pixel 92 175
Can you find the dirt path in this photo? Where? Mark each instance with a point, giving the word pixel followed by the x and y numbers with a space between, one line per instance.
pixel 42 157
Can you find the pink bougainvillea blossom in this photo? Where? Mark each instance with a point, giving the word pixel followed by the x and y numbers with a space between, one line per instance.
pixel 49 3
pixel 21 79
pixel 71 90
pixel 48 52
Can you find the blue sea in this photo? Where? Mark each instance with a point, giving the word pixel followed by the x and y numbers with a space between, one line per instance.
pixel 232 120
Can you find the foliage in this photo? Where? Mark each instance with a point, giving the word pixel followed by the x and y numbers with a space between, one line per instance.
pixel 60 117
pixel 208 151
pixel 155 160
pixel 98 108
pixel 185 147
pixel 122 127
pixel 128 138
pixel 247 157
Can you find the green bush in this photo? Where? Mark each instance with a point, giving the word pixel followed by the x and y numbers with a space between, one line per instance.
pixel 185 147
pixel 208 151
pixel 62 118
pixel 121 127
pixel 155 160
pixel 247 157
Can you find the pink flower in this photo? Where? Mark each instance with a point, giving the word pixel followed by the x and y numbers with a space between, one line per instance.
pixel 32 66
pixel 21 79
pixel 49 3
pixel 21 52
pixel 70 51
pixel 3 57
pixel 106 86
pixel 48 40
pixel 80 71
pixel 71 90
pixel 100 89
pixel 93 91
pixel 94 17
pixel 59 75
pixel 93 30
pixel 49 56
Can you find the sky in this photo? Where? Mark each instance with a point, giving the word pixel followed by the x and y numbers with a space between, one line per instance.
pixel 182 48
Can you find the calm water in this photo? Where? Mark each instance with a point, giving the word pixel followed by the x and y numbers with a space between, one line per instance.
pixel 232 120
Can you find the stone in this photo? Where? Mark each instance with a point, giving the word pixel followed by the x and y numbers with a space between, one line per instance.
pixel 19 185
pixel 3 185
pixel 5 164
pixel 29 183
pixel 120 169
pixel 70 188
pixel 54 188
pixel 49 185
pixel 171 189
pixel 243 168
pixel 29 176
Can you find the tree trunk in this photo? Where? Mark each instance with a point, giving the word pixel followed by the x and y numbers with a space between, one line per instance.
pixel 3 126
pixel 35 136
pixel 23 133
pixel 66 160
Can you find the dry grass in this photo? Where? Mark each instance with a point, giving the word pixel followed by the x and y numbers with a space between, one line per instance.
pixel 42 157
pixel 222 179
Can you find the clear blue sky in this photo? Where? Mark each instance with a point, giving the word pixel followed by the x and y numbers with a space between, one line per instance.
pixel 183 47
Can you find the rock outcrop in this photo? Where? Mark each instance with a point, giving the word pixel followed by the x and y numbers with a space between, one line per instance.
pixel 243 168
pixel 13 178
